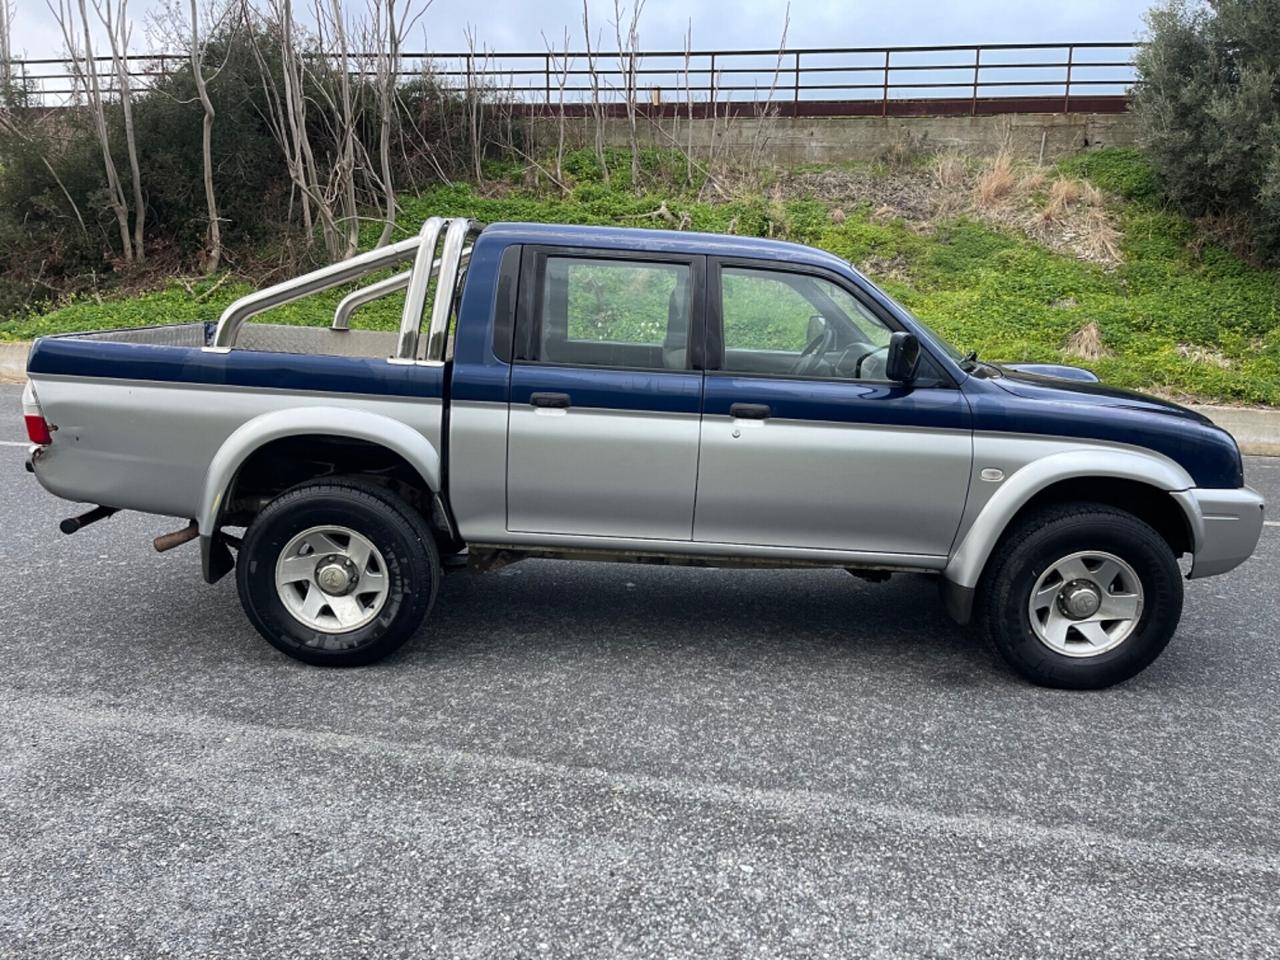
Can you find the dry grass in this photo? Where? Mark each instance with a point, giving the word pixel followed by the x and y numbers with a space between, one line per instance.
pixel 999 191
pixel 1091 195
pixel 950 172
pixel 1204 355
pixel 996 182
pixel 1032 182
pixel 1063 195
pixel 1099 238
pixel 1086 343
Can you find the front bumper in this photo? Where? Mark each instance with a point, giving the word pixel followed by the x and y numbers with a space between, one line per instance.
pixel 1226 525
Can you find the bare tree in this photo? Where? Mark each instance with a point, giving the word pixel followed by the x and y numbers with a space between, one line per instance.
pixel 561 65
pixel 286 115
pixel 115 22
pixel 688 99
pixel 628 54
pixel 474 102
pixel 213 258
pixel 72 20
pixel 766 114
pixel 342 176
pixel 389 30
pixel 6 50
pixel 597 108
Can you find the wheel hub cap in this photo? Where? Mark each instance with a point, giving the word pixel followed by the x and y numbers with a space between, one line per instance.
pixel 332 579
pixel 1085 604
pixel 336 576
pixel 1079 599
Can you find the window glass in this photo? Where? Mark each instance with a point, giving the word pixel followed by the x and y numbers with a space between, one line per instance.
pixel 622 313
pixel 790 323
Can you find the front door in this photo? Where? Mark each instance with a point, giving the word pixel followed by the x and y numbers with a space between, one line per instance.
pixel 804 442
pixel 605 406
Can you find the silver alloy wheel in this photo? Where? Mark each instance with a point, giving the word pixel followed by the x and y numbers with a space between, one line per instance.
pixel 1086 604
pixel 332 579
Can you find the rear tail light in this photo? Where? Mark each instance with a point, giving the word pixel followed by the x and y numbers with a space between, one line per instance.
pixel 37 426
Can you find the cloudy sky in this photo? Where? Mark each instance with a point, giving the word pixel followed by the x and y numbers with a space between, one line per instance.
pixel 519 24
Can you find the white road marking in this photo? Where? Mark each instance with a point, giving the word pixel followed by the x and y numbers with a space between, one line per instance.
pixel 15 443
pixel 1271 523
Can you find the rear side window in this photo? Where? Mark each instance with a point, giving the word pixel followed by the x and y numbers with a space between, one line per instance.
pixel 612 313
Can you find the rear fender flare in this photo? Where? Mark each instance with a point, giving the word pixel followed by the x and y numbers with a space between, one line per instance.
pixel 328 421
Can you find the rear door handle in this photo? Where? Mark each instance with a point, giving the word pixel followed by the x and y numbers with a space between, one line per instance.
pixel 750 411
pixel 554 400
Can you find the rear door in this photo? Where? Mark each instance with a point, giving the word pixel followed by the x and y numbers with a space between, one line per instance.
pixel 605 404
pixel 804 443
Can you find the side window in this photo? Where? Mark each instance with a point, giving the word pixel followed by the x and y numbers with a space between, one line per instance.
pixel 612 313
pixel 792 323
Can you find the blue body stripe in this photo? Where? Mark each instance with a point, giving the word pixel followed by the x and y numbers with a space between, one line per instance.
pixel 1089 411
pixel 657 391
pixel 239 368
pixel 840 401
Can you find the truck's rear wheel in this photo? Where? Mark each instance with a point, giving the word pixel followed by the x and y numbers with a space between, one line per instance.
pixel 338 572
pixel 1082 596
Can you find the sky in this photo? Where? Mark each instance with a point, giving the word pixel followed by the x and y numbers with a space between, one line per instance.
pixel 520 24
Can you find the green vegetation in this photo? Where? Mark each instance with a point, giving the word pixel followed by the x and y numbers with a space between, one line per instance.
pixel 1209 105
pixel 1178 314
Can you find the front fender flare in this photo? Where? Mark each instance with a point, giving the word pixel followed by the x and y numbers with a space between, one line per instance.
pixel 964 569
pixel 297 421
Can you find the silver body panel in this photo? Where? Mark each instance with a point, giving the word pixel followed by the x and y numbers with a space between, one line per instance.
pixel 169 449
pixel 593 472
pixel 1229 528
pixel 831 486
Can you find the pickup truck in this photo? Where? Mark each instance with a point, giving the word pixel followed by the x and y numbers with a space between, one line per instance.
pixel 645 396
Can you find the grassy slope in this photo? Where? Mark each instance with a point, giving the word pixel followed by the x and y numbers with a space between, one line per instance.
pixel 1177 315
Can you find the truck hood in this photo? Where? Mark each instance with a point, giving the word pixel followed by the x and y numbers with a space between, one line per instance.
pixel 1052 382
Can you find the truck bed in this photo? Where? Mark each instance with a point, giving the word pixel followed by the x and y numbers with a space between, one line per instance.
pixel 261 337
pixel 141 413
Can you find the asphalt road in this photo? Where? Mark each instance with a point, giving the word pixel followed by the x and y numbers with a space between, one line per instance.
pixel 590 760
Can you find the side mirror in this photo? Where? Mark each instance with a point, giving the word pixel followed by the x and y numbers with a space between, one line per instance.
pixel 904 357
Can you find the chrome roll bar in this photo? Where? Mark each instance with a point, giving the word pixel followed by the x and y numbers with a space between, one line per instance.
pixel 420 248
pixel 447 287
pixel 415 297
pixel 358 298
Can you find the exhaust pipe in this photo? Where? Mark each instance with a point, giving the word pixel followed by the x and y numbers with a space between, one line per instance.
pixel 72 524
pixel 168 541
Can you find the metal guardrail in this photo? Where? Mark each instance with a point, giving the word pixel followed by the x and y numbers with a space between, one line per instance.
pixel 1053 74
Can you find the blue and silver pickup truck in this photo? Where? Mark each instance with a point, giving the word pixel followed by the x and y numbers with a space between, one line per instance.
pixel 644 396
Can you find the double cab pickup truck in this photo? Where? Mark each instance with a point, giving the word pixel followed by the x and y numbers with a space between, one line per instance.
pixel 644 396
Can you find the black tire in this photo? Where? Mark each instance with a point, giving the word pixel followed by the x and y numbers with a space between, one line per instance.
pixel 1043 539
pixel 398 531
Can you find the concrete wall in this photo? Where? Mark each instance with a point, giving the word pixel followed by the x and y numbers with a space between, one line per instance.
pixel 798 140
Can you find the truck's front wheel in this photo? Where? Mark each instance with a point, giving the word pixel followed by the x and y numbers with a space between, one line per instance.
pixel 1082 596
pixel 338 572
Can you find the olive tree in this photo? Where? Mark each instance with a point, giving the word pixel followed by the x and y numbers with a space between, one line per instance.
pixel 1209 105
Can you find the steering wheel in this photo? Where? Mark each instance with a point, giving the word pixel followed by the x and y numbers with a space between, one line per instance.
pixel 811 356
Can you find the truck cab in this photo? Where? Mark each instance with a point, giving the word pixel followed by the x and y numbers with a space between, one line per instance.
pixel 644 396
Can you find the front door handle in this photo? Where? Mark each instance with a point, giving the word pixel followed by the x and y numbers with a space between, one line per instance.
pixel 750 411
pixel 553 400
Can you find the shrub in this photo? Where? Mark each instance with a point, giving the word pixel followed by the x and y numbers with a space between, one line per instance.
pixel 1209 105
